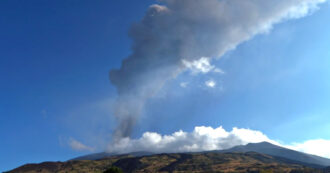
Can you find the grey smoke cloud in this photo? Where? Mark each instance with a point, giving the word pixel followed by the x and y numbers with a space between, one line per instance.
pixel 187 30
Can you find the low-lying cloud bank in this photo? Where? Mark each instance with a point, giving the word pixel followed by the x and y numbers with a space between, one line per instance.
pixel 201 139
pixel 208 138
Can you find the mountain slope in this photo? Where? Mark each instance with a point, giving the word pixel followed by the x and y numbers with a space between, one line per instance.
pixel 263 147
pixel 274 150
pixel 103 155
pixel 256 157
pixel 188 162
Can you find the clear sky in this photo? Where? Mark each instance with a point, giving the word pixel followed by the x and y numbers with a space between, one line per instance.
pixel 55 58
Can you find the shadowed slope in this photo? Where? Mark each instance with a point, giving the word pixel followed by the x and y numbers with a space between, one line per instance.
pixel 274 150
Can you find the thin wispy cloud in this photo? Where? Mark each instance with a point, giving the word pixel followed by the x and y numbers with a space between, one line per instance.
pixel 78 146
pixel 184 84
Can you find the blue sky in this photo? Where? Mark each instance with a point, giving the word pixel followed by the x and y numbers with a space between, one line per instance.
pixel 55 58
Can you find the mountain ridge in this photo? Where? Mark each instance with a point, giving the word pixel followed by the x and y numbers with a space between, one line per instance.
pixel 262 147
pixel 275 150
pixel 103 155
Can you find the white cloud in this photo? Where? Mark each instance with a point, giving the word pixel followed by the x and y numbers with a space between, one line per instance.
pixel 201 139
pixel 204 138
pixel 78 146
pixel 210 83
pixel 320 147
pixel 305 8
pixel 201 65
pixel 184 84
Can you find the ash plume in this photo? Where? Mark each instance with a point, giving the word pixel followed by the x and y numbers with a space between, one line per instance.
pixel 187 30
